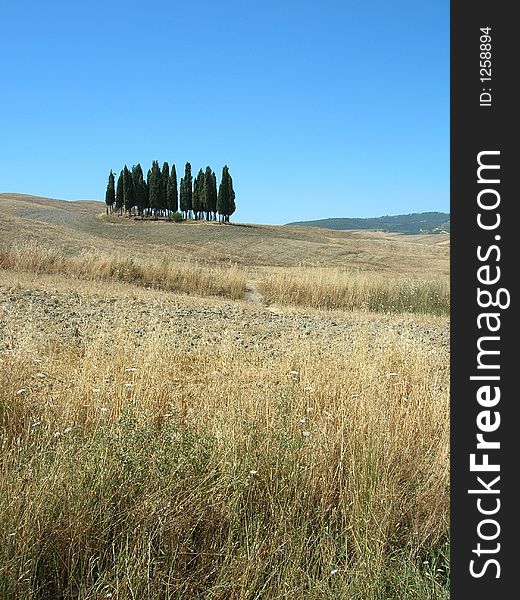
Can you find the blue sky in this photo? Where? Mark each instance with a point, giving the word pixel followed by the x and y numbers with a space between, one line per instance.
pixel 320 109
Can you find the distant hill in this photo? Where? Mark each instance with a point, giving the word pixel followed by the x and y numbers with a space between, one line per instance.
pixel 427 222
pixel 82 227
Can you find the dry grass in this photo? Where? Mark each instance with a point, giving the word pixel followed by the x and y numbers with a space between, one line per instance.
pixel 321 288
pixel 142 471
pixel 78 226
pixel 342 289
pixel 162 447
pixel 180 277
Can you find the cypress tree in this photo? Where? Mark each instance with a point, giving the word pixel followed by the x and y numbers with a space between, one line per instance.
pixel 210 193
pixel 198 195
pixel 226 196
pixel 202 194
pixel 139 188
pixel 195 200
pixel 165 176
pixel 154 187
pixel 188 188
pixel 214 195
pixel 110 195
pixel 148 179
pixel 172 196
pixel 146 195
pixel 160 195
pixel 182 198
pixel 222 197
pixel 232 206
pixel 128 190
pixel 119 193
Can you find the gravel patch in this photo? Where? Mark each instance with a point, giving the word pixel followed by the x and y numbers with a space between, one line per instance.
pixel 78 317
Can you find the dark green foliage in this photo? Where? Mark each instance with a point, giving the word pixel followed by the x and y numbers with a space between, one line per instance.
pixel 232 206
pixel 146 196
pixel 119 192
pixel 159 194
pixel 226 196
pixel 165 176
pixel 200 178
pixel 198 195
pixel 147 183
pixel 221 197
pixel 210 193
pixel 188 189
pixel 182 198
pixel 110 195
pixel 428 222
pixel 214 196
pixel 128 190
pixel 195 198
pixel 141 193
pixel 172 199
pixel 154 188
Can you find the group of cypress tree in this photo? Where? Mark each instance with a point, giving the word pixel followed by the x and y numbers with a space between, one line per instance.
pixel 159 195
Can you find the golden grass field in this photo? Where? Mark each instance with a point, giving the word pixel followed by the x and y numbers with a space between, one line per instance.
pixel 210 412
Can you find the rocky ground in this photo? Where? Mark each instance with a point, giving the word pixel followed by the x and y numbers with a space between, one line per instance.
pixel 56 309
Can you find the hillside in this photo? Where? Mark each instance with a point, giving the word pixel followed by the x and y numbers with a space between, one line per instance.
pixel 197 410
pixel 414 223
pixel 82 226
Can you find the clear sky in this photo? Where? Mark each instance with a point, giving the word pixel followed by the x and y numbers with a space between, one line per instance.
pixel 320 109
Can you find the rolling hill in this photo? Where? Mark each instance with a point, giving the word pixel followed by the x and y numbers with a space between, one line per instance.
pixel 414 223
pixel 189 408
pixel 78 227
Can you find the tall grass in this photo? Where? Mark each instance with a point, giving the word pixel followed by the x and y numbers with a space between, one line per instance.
pixel 143 472
pixel 183 277
pixel 355 290
pixel 320 288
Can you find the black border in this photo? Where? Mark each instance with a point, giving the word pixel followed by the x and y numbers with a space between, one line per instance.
pixel 475 129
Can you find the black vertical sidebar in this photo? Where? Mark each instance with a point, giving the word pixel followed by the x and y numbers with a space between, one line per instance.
pixel 484 118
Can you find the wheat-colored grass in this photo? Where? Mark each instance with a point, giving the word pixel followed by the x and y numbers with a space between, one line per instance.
pixel 322 288
pixel 347 289
pixel 78 226
pixel 142 471
pixel 175 276
pixel 159 446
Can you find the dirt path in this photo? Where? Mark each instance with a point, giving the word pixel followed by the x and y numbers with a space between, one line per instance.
pixel 253 295
pixel 51 309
